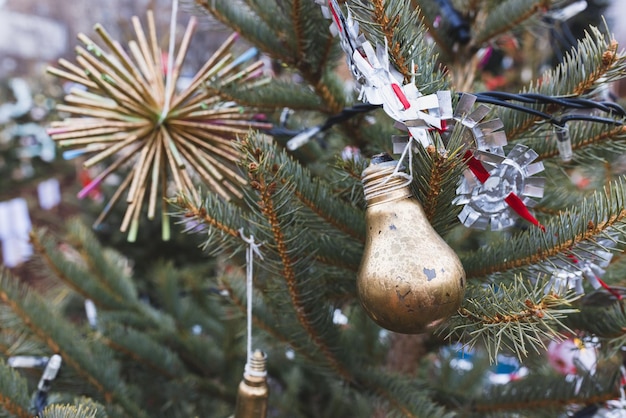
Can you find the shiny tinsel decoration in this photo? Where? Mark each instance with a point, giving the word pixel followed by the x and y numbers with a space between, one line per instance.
pixel 585 261
pixel 127 111
pixel 481 132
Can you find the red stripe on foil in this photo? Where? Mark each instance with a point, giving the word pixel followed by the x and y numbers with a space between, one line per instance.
pixel 335 16
pixel 520 208
pixel 476 167
pixel 396 89
pixel 609 289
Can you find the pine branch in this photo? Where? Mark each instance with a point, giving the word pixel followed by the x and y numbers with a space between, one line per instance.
pixel 71 411
pixel 314 193
pixel 13 398
pixel 242 19
pixel 280 41
pixel 507 15
pixel 263 319
pixel 142 349
pixel 94 273
pixel 399 24
pixel 346 181
pixel 593 216
pixel 600 315
pixel 589 140
pixel 516 317
pixel 594 62
pixel 270 12
pixel 272 201
pixel 273 94
pixel 73 274
pixel 530 394
pixel 436 179
pixel 91 362
pixel 406 397
pixel 220 220
pixel 113 276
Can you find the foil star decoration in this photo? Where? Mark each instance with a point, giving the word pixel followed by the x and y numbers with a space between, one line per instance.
pixel 496 189
pixel 127 111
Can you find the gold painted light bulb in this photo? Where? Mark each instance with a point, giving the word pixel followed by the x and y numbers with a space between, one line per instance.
pixel 253 392
pixel 409 280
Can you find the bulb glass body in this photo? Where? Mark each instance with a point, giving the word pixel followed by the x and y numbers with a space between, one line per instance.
pixel 409 280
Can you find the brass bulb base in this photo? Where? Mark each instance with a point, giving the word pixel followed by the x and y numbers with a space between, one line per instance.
pixel 409 280
pixel 253 392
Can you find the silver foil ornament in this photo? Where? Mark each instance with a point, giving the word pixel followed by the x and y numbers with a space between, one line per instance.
pixel 497 189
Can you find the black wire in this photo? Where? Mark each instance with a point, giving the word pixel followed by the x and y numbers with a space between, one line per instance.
pixel 567 102
pixel 503 99
pixel 348 113
pixel 498 98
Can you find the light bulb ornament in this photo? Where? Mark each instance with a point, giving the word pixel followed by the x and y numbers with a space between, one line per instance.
pixel 409 280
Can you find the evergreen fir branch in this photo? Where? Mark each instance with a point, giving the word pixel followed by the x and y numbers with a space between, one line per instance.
pixel 517 317
pixel 399 24
pixel 530 397
pixel 15 341
pixel 90 361
pixel 407 397
pixel 388 25
pixel 596 215
pixel 594 62
pixel 273 203
pixel 588 141
pixel 115 277
pixel 507 15
pixel 73 273
pixel 437 176
pixel 237 15
pixel 94 273
pixel 13 397
pixel 279 41
pixel 218 219
pixel 263 319
pixel 270 12
pixel 600 316
pixel 346 181
pixel 314 44
pixel 314 193
pixel 331 89
pixel 71 411
pixel 271 95
pixel 143 349
pixel 429 11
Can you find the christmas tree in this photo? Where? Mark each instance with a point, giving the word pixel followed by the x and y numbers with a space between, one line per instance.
pixel 408 214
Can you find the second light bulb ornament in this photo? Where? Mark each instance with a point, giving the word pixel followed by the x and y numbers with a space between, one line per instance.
pixel 409 280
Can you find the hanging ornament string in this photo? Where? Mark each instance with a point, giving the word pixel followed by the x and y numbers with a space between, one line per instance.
pixel 251 251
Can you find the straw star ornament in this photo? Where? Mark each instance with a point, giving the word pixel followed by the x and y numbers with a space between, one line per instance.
pixel 126 111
